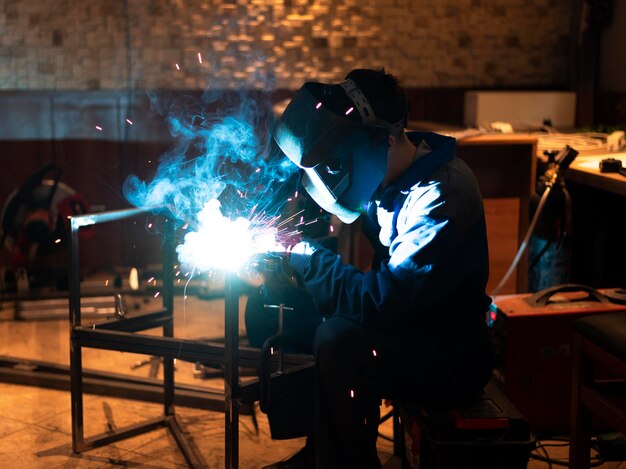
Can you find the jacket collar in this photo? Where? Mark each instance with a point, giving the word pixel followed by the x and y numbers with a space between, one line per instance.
pixel 443 149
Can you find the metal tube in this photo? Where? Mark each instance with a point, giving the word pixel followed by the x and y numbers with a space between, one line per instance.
pixel 168 305
pixel 231 375
pixel 76 391
pixel 89 219
pixel 76 365
pixel 74 275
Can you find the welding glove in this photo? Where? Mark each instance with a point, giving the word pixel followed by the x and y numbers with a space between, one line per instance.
pixel 299 256
pixel 274 268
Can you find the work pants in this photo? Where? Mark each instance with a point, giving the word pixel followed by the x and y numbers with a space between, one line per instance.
pixel 356 367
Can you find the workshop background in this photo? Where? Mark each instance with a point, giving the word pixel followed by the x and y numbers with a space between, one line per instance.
pixel 84 84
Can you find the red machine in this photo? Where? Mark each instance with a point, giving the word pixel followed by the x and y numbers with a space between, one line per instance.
pixel 34 227
pixel 533 335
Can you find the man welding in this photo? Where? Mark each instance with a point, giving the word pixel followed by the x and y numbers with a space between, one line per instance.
pixel 412 329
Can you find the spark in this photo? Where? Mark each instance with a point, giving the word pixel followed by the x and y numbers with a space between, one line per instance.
pixel 57 241
pixel 106 283
pixel 221 243
pixel 157 294
pixel 129 121
pixel 199 57
pixel 374 353
pixel 319 105
pixel 332 229
pixel 150 279
pixel 287 220
pixel 349 110
pixel 98 128
pixel 177 67
pixel 352 393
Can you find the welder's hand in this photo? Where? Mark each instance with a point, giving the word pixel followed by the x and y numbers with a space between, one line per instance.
pixel 300 254
pixel 274 267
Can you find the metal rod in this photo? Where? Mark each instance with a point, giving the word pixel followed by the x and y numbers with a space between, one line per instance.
pixel 102 383
pixel 186 444
pixel 74 275
pixel 168 305
pixel 76 365
pixel 76 391
pixel 145 321
pixel 210 353
pixel 127 432
pixel 231 376
pixel 89 219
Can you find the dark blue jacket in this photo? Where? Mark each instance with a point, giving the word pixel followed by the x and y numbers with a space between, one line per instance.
pixel 429 237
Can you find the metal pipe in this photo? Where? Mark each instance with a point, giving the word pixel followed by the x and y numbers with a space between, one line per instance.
pixel 231 374
pixel 76 364
pixel 89 219
pixel 168 305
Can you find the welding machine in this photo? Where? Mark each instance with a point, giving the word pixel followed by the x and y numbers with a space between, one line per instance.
pixel 532 337
pixel 488 432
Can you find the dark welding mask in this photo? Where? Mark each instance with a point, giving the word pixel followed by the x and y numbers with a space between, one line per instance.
pixel 332 134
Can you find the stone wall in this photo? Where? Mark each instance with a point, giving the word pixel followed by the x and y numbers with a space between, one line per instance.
pixel 192 44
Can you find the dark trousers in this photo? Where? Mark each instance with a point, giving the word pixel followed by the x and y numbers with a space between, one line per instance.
pixel 291 409
pixel 355 369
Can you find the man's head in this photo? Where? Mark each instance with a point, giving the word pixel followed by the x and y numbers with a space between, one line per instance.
pixel 336 135
pixel 385 96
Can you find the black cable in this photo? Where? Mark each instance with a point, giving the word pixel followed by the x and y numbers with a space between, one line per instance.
pixel 563 161
pixel 546 458
pixel 595 462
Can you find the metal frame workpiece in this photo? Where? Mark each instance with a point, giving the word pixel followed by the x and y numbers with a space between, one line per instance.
pixel 123 334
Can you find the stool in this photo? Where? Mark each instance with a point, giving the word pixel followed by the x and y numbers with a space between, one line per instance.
pixel 599 339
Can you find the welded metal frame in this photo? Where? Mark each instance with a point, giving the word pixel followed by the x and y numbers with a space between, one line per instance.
pixel 123 329
pixel 122 334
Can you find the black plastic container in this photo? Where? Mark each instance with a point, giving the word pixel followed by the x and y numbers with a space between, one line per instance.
pixel 487 433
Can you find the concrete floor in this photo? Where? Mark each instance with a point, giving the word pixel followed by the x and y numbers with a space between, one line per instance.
pixel 35 423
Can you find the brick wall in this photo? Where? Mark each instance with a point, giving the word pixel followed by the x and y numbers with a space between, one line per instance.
pixel 82 45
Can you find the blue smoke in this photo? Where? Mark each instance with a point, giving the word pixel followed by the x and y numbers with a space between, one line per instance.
pixel 223 150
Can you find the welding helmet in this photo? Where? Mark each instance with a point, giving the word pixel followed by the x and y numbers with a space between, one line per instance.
pixel 333 135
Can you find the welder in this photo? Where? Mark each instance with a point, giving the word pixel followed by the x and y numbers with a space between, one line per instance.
pixel 412 328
